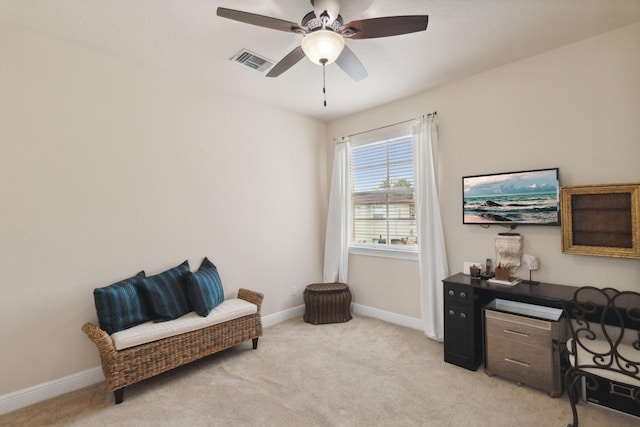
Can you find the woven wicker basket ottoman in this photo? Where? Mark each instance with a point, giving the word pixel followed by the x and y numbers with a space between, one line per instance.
pixel 327 303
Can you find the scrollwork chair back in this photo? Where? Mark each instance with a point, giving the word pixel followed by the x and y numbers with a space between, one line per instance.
pixel 604 341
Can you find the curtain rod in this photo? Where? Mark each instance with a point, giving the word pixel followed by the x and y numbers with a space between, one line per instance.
pixel 342 138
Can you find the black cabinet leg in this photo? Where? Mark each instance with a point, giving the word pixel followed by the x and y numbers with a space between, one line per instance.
pixel 119 395
pixel 255 343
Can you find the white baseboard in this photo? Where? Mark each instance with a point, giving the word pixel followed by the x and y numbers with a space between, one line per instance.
pixel 387 316
pixel 275 318
pixel 376 313
pixel 19 399
pixel 40 392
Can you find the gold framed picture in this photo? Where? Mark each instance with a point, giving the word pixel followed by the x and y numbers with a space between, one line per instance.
pixel 601 220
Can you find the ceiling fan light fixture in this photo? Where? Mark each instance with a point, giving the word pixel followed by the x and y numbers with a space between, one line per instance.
pixel 322 46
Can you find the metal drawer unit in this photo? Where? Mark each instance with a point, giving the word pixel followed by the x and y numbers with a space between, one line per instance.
pixel 522 343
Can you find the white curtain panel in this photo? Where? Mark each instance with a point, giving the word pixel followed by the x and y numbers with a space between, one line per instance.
pixel 432 256
pixel 336 248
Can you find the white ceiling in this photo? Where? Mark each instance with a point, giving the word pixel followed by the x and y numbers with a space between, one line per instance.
pixel 187 38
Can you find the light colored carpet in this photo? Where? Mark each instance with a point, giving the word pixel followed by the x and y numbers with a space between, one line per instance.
pixel 365 372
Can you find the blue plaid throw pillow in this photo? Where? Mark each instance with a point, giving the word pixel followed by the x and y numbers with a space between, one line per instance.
pixel 120 305
pixel 167 294
pixel 204 288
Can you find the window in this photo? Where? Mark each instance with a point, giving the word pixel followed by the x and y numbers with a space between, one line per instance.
pixel 382 195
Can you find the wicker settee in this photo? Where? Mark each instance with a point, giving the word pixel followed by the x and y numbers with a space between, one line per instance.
pixel 128 366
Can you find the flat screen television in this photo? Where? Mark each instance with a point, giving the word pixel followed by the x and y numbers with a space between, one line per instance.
pixel 512 198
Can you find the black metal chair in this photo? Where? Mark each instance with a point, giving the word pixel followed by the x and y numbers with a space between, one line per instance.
pixel 604 349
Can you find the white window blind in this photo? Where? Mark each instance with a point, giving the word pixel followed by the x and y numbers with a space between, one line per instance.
pixel 382 194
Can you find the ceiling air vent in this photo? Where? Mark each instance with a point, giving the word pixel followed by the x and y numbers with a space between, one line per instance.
pixel 252 60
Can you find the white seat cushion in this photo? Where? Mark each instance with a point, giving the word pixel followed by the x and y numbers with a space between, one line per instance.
pixel 149 331
pixel 602 346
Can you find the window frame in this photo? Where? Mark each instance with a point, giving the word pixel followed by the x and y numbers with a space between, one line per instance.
pixel 387 250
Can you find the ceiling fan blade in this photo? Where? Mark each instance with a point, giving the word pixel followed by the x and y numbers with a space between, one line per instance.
pixel 259 20
pixel 350 64
pixel 385 27
pixel 287 62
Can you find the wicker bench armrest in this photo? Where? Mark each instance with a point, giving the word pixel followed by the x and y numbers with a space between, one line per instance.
pixel 251 296
pixel 101 339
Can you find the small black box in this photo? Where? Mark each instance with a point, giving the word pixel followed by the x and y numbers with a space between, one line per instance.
pixel 613 395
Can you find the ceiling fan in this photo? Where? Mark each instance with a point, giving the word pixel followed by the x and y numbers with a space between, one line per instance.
pixel 324 32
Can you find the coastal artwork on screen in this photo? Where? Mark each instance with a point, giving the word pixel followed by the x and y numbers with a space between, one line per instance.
pixel 512 198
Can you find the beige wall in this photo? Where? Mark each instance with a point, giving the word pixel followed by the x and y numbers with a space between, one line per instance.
pixel 575 108
pixel 107 168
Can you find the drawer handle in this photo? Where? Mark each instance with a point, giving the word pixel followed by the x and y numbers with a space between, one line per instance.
pixel 520 334
pixel 621 390
pixel 463 294
pixel 517 362
pixel 451 292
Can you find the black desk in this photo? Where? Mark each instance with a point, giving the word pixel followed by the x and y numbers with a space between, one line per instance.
pixel 464 298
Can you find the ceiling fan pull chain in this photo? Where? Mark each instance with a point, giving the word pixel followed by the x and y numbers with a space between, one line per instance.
pixel 324 85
